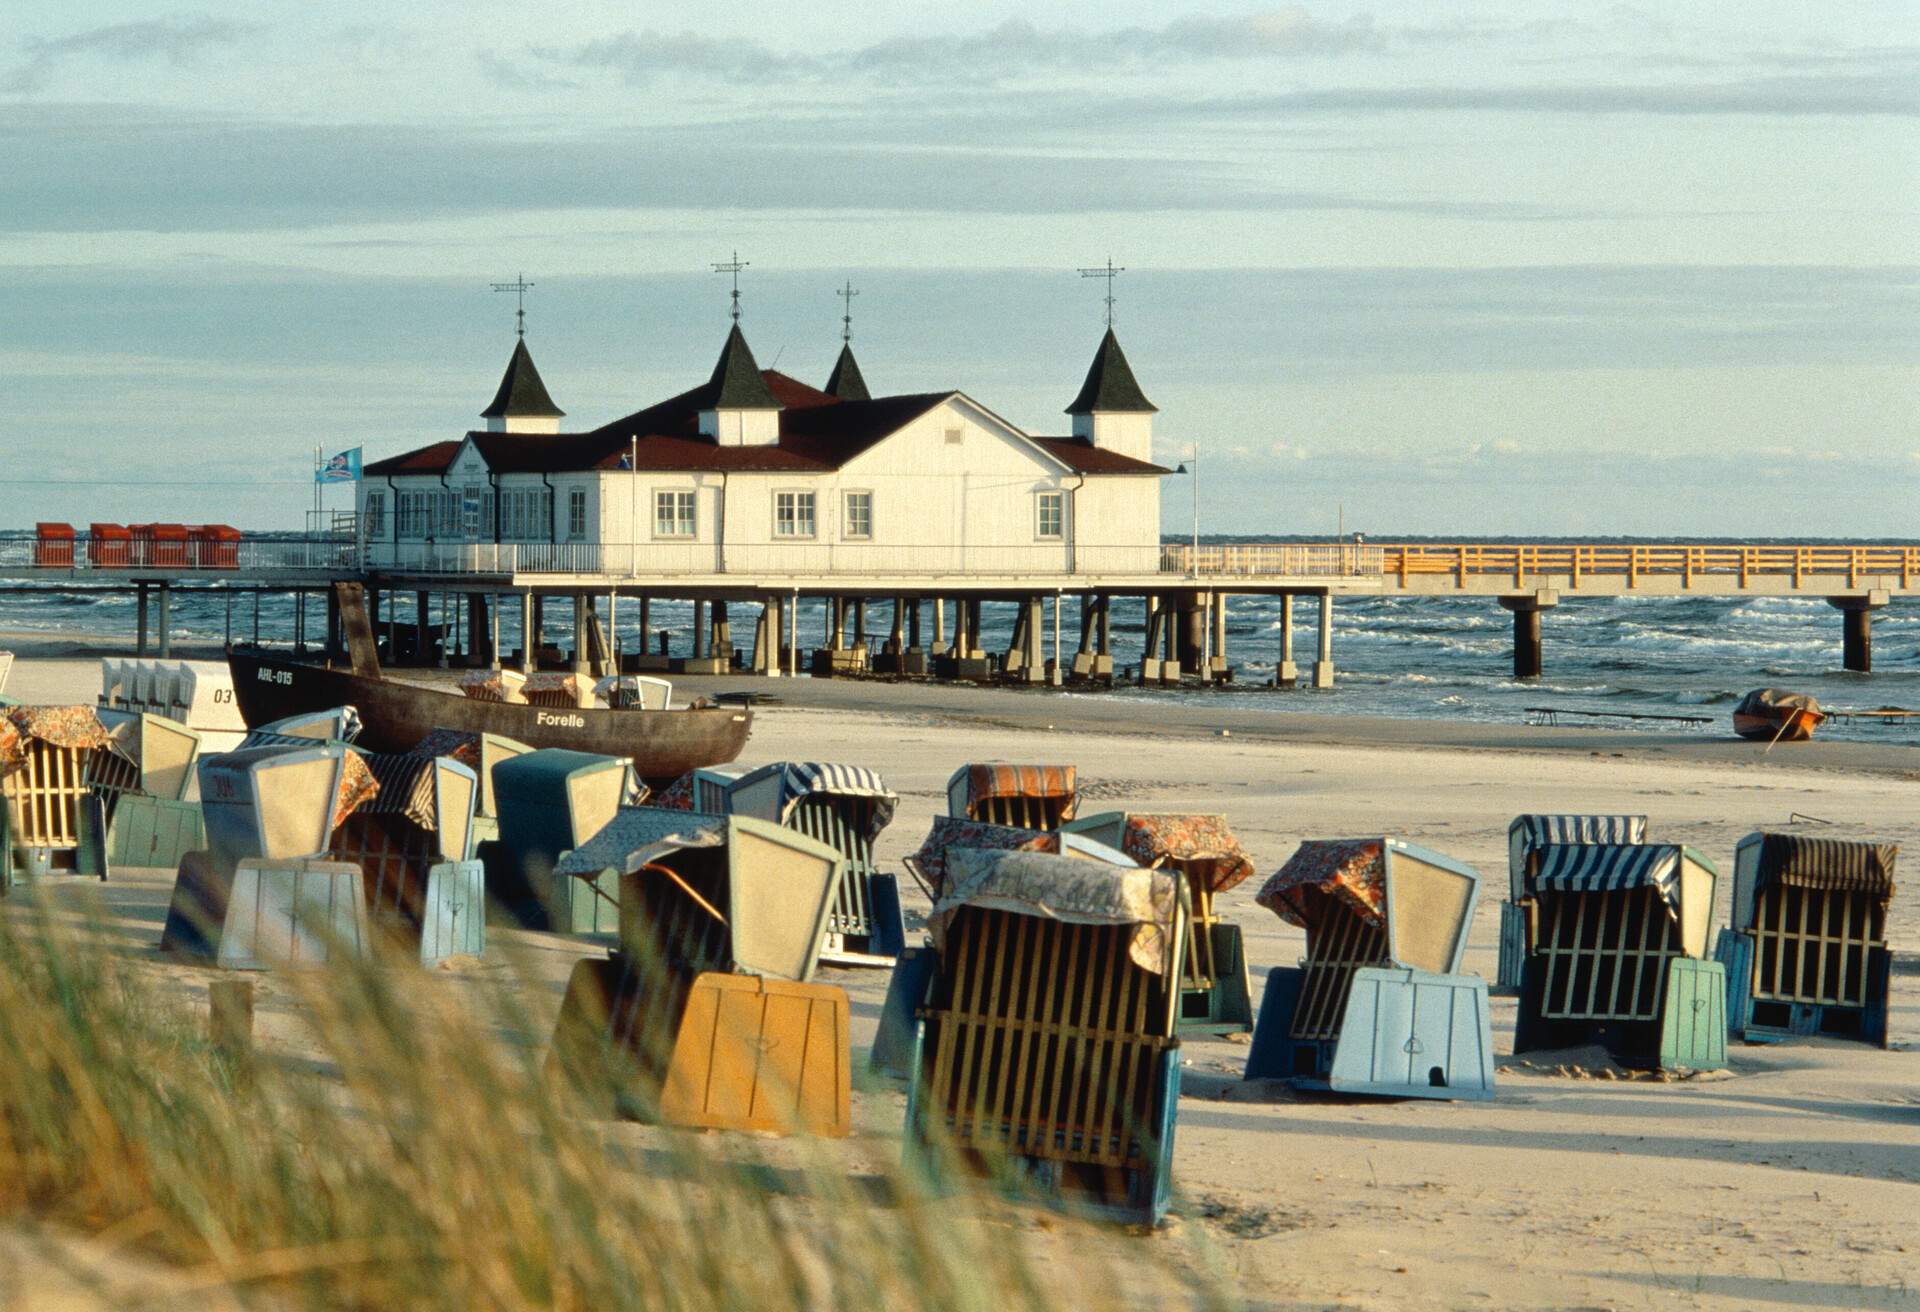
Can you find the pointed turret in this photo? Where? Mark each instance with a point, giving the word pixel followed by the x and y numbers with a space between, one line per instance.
pixel 736 406
pixel 522 404
pixel 845 381
pixel 1111 410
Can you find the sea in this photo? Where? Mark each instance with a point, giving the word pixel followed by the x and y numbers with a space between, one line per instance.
pixel 1409 657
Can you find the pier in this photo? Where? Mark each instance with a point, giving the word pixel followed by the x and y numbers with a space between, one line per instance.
pixel 932 597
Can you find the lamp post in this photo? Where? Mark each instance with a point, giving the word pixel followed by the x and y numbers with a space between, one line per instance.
pixel 1193 459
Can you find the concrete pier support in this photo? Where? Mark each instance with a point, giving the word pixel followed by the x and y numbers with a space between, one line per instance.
pixel 1323 667
pixel 479 631
pixel 579 633
pixel 140 620
pixel 699 637
pixel 1192 633
pixel 1089 619
pixel 1150 650
pixel 1033 662
pixel 939 645
pixel 1856 629
pixel 721 645
pixel 974 650
pixel 1217 667
pixel 1285 673
pixel 1526 610
pixel 165 634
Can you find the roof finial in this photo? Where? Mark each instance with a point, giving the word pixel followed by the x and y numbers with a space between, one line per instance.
pixel 1109 272
pixel 847 294
pixel 519 286
pixel 733 267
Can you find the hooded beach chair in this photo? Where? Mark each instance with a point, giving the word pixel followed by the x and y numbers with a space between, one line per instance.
pixel 1216 996
pixel 1045 1047
pixel 1618 954
pixel 1378 1005
pixel 551 801
pixel 479 752
pixel 47 756
pixel 1526 836
pixel 413 844
pixel 263 893
pixel 1020 796
pixel 704 1015
pixel 136 812
pixel 845 807
pixel 1807 952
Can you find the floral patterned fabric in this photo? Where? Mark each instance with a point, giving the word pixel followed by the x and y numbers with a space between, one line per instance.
pixel 461 745
pixel 1354 870
pixel 676 796
pixel 59 726
pixel 949 834
pixel 1064 888
pixel 357 788
pixel 1173 838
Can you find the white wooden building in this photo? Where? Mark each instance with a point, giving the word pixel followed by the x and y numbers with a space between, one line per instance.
pixel 755 471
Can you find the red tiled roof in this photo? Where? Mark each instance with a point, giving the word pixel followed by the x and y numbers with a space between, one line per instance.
pixel 1083 457
pixel 435 458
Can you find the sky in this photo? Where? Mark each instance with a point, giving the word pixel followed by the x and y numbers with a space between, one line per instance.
pixel 1409 268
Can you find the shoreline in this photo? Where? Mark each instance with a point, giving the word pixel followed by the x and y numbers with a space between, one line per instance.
pixel 1121 712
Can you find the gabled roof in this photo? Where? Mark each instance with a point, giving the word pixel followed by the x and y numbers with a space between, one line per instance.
pixel 1083 457
pixel 1110 384
pixel 845 381
pixel 736 383
pixel 522 394
pixel 436 458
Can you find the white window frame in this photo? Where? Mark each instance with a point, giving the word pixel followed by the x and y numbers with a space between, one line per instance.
pixel 846 514
pixel 813 514
pixel 1059 500
pixel 576 514
pixel 683 496
pixel 374 519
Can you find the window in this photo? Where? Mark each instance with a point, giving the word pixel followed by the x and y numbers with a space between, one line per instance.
pixel 673 514
pixel 526 516
pixel 376 519
pixel 577 515
pixel 859 518
pixel 793 514
pixel 1053 512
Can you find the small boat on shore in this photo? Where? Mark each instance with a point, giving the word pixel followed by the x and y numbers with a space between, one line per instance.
pixel 1772 715
pixel 662 744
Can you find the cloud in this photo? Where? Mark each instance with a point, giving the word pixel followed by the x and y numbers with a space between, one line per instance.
pixel 177 40
pixel 1286 451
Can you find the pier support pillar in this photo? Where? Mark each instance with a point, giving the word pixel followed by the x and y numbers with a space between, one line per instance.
pixel 974 650
pixel 1103 642
pixel 1150 651
pixel 720 644
pixel 1217 664
pixel 1033 655
pixel 479 637
pixel 140 620
pixel 1856 621
pixel 1285 673
pixel 1323 667
pixel 1526 630
pixel 579 633
pixel 1192 632
pixel 422 622
pixel 165 630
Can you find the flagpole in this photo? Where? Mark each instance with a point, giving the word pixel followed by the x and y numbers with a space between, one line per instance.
pixel 314 527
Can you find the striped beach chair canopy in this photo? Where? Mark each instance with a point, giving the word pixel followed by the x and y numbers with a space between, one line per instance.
pixel 339 724
pixel 1529 833
pixel 639 834
pixel 1834 864
pixel 982 781
pixel 1615 867
pixel 800 780
pixel 1067 889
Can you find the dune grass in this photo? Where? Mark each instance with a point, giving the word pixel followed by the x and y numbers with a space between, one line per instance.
pixel 409 1153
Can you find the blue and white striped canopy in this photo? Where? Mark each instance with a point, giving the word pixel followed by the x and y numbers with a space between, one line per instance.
pixel 1543 830
pixel 1612 867
pixel 800 779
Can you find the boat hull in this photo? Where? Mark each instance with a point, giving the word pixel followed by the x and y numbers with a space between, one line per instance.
pixel 1783 725
pixel 663 745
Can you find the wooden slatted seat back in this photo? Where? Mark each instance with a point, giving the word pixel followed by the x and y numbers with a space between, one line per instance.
pixel 1021 812
pixel 1199 971
pixel 1605 954
pixel 1043 1040
pixel 394 856
pixel 1340 941
pixel 1816 945
pixel 842 823
pixel 43 796
pixel 668 939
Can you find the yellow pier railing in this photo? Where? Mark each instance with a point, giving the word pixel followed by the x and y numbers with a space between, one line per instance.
pixel 1574 561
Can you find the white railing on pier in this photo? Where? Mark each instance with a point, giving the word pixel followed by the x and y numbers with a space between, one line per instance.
pixel 1271 560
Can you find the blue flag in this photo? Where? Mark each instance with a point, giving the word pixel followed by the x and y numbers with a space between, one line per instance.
pixel 343 468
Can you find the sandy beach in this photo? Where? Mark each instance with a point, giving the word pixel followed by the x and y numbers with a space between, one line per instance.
pixel 1784 1184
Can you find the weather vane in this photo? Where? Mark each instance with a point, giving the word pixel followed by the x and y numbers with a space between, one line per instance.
pixel 847 294
pixel 733 266
pixel 520 286
pixel 1110 271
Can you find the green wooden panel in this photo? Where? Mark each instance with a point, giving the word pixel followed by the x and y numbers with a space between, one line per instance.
pixel 1693 1026
pixel 153 832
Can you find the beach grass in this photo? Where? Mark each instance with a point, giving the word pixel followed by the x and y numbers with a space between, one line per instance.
pixel 408 1152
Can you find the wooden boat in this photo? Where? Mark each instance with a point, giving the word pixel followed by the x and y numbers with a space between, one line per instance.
pixel 1770 715
pixel 663 745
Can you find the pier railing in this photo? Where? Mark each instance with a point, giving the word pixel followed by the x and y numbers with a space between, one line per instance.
pixel 1632 562
pixel 1272 559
